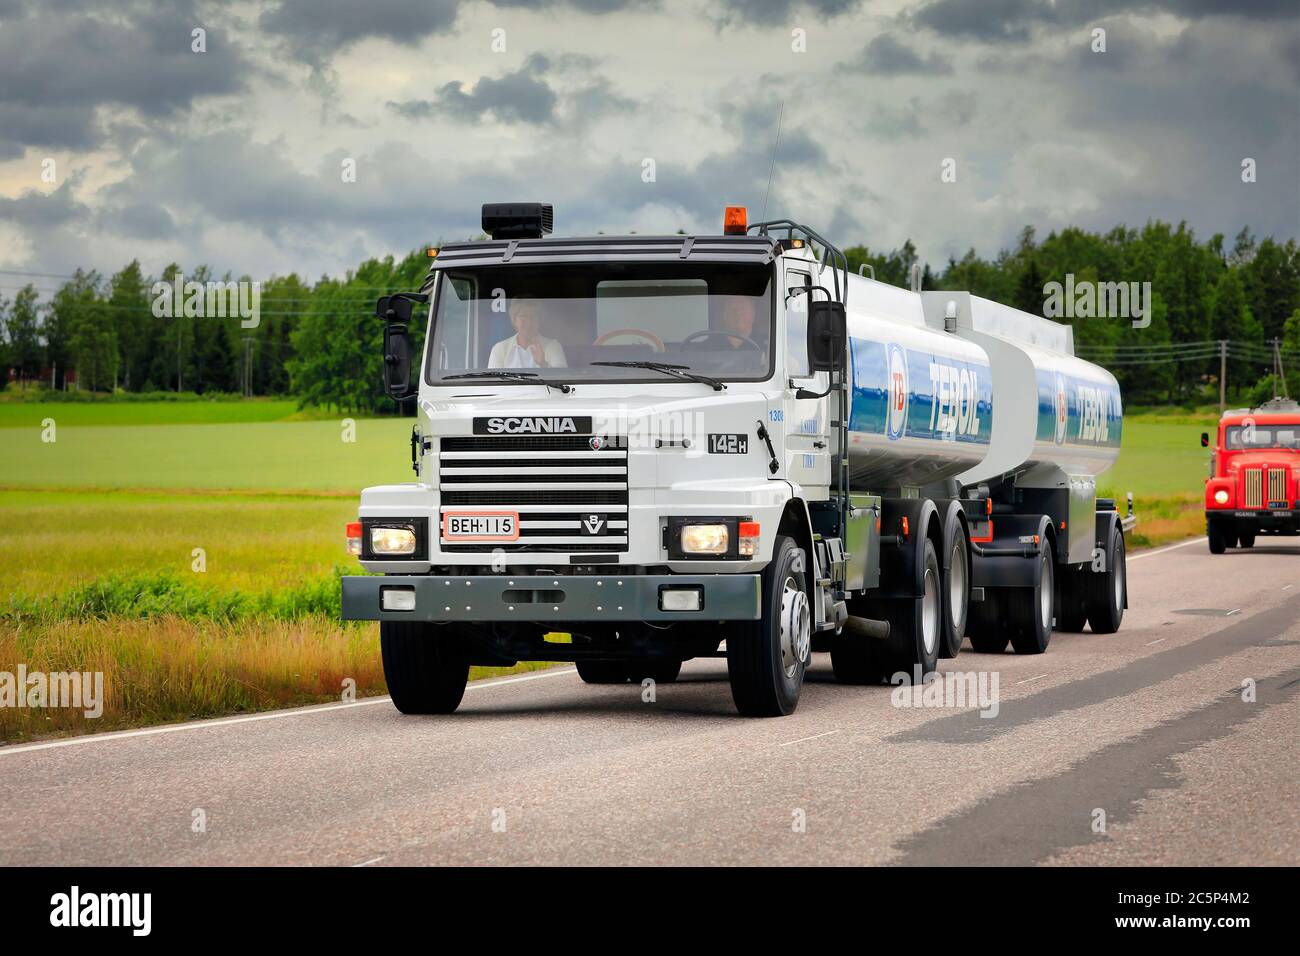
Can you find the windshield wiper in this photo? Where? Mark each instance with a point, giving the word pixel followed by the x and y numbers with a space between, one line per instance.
pixel 677 371
pixel 533 377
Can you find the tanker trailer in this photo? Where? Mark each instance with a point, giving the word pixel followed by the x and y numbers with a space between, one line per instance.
pixel 975 422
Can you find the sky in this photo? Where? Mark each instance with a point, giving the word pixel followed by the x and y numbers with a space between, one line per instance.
pixel 308 135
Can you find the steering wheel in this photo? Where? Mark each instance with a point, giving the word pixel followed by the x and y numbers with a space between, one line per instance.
pixel 655 341
pixel 714 333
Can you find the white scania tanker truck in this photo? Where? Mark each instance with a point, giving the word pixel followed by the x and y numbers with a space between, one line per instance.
pixel 703 446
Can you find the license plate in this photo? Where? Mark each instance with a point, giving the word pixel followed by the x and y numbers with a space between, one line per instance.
pixel 480 525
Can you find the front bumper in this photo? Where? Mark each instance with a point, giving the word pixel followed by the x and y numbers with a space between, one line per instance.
pixel 547 598
pixel 1285 521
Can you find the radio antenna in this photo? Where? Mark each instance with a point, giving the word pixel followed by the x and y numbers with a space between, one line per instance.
pixel 772 169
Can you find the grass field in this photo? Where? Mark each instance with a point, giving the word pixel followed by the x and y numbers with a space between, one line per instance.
pixel 31 414
pixel 128 491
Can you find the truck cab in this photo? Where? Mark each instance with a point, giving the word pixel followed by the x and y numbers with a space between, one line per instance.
pixel 1254 475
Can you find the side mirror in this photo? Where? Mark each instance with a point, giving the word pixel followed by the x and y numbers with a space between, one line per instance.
pixel 1205 439
pixel 395 310
pixel 827 334
pixel 397 362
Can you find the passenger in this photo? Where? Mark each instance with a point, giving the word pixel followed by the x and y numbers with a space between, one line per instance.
pixel 527 348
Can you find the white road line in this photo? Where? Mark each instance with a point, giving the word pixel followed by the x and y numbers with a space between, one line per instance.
pixel 1172 547
pixel 367 863
pixel 1235 610
pixel 1028 680
pixel 1150 643
pixel 271 715
pixel 790 743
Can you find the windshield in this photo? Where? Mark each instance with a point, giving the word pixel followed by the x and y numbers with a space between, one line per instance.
pixel 554 322
pixel 1264 436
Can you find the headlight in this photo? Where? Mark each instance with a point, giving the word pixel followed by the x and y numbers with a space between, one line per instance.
pixel 392 541
pixel 705 539
pixel 1221 496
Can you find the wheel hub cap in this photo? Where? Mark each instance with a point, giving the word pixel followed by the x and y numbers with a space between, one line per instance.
pixel 796 628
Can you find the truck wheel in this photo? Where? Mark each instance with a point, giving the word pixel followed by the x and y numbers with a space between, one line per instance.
pixel 1031 609
pixel 916 624
pixel 1217 538
pixel 956 595
pixel 987 629
pixel 1071 600
pixel 1108 591
pixel 659 671
pixel 602 672
pixel 424 666
pixel 1246 539
pixel 766 658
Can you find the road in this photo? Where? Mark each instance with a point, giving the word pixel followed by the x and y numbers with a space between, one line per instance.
pixel 1147 726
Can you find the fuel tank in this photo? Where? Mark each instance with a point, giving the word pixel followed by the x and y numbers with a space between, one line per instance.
pixel 950 385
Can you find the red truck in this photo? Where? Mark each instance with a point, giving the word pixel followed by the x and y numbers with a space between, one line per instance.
pixel 1254 483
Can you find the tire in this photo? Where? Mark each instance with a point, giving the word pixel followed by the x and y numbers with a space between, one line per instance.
pixel 1217 538
pixel 1031 610
pixel 1231 539
pixel 1108 591
pixel 987 629
pixel 658 670
pixel 602 672
pixel 1246 539
pixel 916 624
pixel 1071 600
pixel 956 595
pixel 424 666
pixel 766 660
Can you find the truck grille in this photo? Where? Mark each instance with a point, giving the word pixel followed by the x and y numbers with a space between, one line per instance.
pixel 570 497
pixel 1277 486
pixel 1253 496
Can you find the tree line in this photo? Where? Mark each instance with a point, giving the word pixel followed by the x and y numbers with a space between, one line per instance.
pixel 320 343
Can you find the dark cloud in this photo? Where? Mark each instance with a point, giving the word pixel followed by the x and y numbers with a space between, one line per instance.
pixel 143 220
pixel 317 29
pixel 773 12
pixel 527 95
pixel 38 211
pixel 1003 20
pixel 55 71
pixel 886 56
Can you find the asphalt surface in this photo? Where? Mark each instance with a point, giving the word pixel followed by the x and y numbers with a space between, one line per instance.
pixel 1133 748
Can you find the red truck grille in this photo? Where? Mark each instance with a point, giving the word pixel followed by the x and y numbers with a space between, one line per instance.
pixel 1253 493
pixel 1277 485
pixel 1256 481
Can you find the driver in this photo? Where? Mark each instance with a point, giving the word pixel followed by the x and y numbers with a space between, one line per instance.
pixel 527 348
pixel 737 317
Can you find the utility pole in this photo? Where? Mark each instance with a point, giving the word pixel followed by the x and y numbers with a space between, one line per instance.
pixel 248 367
pixel 1279 375
pixel 1223 375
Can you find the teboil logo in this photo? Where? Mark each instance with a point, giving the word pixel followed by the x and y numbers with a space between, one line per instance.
pixel 896 417
pixel 74 908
